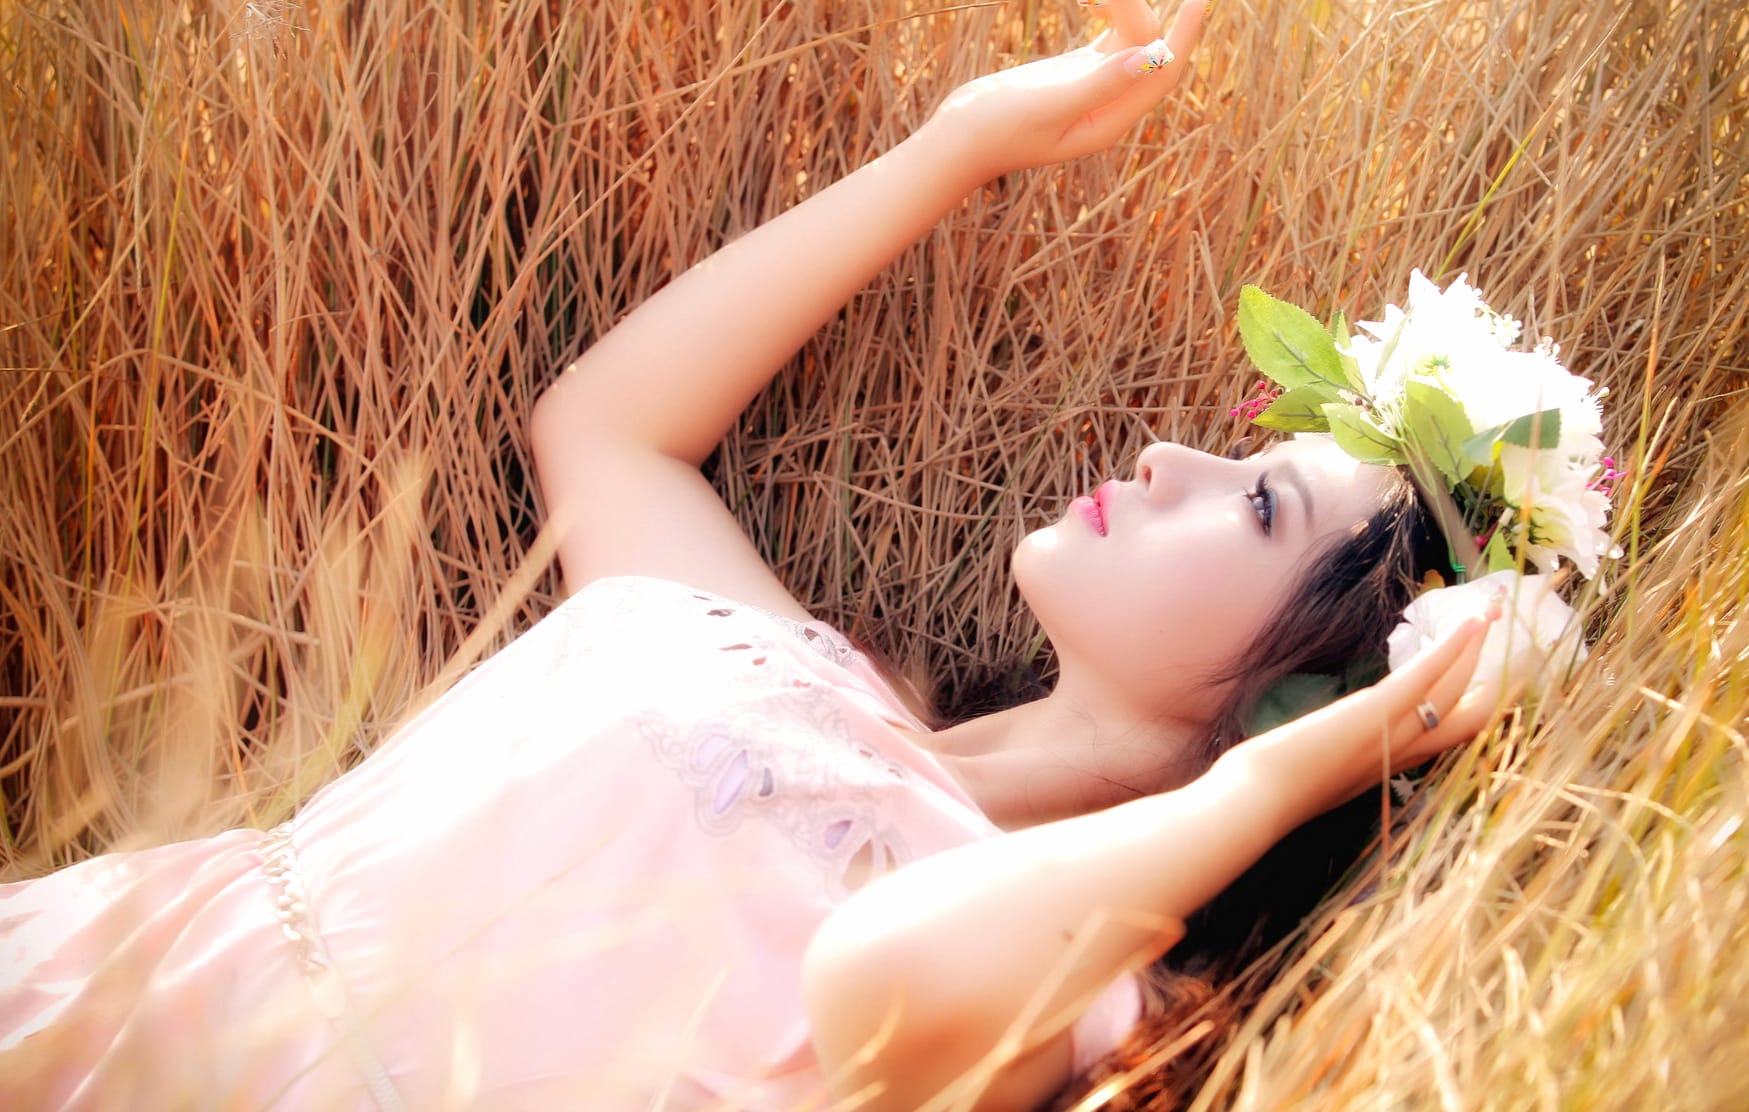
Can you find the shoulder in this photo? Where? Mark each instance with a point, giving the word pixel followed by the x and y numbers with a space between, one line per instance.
pixel 666 608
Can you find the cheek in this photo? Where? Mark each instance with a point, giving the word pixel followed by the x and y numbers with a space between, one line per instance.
pixel 1197 599
pixel 1057 583
pixel 1213 601
pixel 1099 607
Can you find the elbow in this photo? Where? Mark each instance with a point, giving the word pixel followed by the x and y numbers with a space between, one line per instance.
pixel 881 1034
pixel 547 442
pixel 569 425
pixel 841 976
pixel 573 457
pixel 596 410
pixel 561 407
pixel 858 1016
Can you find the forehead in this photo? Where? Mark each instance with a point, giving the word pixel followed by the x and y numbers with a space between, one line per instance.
pixel 1344 490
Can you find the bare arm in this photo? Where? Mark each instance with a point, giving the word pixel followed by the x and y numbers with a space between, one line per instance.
pixel 619 437
pixel 957 975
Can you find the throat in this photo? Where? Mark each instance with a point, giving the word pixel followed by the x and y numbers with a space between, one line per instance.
pixel 1044 760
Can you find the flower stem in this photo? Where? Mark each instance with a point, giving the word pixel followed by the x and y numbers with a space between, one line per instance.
pixel 1466 556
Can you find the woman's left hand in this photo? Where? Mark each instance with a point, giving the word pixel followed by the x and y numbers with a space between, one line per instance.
pixel 1429 705
pixel 1078 102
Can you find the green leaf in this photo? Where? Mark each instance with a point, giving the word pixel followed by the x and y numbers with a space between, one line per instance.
pixel 1438 426
pixel 1291 697
pixel 1534 430
pixel 1496 554
pixel 1339 327
pixel 1287 343
pixel 1299 410
pixel 1479 449
pixel 1360 438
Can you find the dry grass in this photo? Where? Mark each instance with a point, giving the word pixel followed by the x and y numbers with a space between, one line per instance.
pixel 282 280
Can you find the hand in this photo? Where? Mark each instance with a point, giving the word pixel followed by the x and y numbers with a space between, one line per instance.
pixel 1075 103
pixel 1333 754
pixel 1539 637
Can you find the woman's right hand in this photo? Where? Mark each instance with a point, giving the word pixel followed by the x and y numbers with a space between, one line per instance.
pixel 1077 102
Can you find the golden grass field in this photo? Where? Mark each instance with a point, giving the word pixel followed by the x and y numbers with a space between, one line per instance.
pixel 282 280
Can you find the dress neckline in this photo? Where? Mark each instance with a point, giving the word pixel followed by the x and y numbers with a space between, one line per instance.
pixel 833 650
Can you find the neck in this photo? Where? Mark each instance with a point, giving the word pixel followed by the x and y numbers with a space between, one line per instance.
pixel 1054 759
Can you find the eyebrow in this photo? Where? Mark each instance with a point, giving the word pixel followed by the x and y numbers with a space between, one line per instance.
pixel 1297 479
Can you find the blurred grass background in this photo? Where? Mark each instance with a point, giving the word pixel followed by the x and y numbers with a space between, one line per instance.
pixel 281 281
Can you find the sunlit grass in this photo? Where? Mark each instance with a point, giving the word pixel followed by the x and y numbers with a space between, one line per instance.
pixel 279 283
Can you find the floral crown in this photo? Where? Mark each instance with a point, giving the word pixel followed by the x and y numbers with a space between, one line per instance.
pixel 1503 444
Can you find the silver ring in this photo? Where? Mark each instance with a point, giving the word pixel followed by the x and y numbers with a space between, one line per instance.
pixel 1429 715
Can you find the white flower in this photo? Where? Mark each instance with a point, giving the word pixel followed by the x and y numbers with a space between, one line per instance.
pixel 1567 515
pixel 1511 384
pixel 1553 488
pixel 1537 637
pixel 1452 340
pixel 1442 331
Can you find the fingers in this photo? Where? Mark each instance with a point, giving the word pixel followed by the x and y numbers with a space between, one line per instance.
pixel 1447 691
pixel 1443 669
pixel 1148 84
pixel 1442 678
pixel 1136 23
pixel 1133 22
pixel 1108 93
pixel 1184 34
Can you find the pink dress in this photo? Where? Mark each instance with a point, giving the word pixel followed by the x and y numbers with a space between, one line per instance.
pixel 584 878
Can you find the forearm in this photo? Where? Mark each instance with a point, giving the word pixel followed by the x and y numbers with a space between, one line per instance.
pixel 1037 921
pixel 675 374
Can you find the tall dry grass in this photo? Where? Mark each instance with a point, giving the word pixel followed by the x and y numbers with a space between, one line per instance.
pixel 282 280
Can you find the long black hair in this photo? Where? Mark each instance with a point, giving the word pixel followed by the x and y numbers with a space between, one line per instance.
pixel 1345 603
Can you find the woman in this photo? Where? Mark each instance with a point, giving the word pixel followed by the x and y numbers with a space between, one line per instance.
pixel 710 858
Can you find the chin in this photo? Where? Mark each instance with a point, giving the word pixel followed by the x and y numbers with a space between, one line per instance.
pixel 1039 583
pixel 1028 562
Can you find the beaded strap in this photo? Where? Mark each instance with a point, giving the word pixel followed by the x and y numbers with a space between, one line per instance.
pixel 279 864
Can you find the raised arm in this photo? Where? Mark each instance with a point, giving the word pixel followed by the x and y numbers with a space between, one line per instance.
pixel 619 436
pixel 951 982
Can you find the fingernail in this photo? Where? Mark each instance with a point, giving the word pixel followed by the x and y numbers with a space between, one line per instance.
pixel 1091 3
pixel 1154 57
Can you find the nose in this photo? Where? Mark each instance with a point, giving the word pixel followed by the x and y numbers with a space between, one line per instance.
pixel 1164 467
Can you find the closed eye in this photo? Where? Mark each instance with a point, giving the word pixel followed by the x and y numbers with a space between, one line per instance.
pixel 1262 500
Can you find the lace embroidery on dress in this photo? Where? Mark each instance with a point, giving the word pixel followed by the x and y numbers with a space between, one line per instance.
pixel 828 644
pixel 748 762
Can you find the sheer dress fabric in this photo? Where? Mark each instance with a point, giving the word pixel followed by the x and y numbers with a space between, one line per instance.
pixel 584 877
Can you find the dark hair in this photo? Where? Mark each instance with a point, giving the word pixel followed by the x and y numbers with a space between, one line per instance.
pixel 1345 603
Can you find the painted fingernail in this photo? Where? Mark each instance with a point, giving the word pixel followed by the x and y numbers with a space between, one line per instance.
pixel 1154 57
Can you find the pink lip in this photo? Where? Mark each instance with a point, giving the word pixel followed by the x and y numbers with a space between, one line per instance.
pixel 1092 511
pixel 1103 497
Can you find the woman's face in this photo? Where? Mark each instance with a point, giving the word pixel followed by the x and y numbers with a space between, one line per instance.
pixel 1145 587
